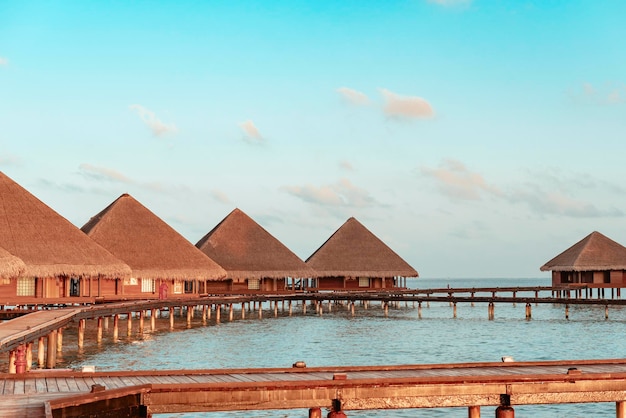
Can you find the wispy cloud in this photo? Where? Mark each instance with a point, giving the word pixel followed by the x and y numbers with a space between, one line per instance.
pixel 148 117
pixel 251 132
pixel 606 95
pixel 457 182
pixel 103 173
pixel 220 196
pixel 353 97
pixel 3 62
pixel 545 193
pixel 340 194
pixel 346 165
pixel 406 107
pixel 8 159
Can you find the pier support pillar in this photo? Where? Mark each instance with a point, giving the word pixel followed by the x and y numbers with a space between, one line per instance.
pixel 230 312
pixel 529 311
pixel 315 413
pixel 352 308
pixel 620 409
pixel 419 310
pixel 41 353
pixel 153 314
pixel 505 412
pixel 290 308
pixel 204 315
pixel 51 353
pixel 59 340
pixel 304 307
pixel 454 310
pixel 129 325
pixel 491 311
pixel 189 315
pixel 81 335
pixel 29 356
pixel 116 327
pixel 473 412
pixel 260 310
pixel 171 309
pixel 566 311
pixel 99 335
pixel 243 310
pixel 12 357
pixel 336 411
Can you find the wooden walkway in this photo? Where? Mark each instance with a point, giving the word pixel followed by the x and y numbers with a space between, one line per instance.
pixel 372 387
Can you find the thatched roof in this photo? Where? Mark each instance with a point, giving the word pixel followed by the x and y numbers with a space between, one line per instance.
pixel 10 265
pixel 595 252
pixel 48 244
pixel 151 248
pixel 353 251
pixel 246 250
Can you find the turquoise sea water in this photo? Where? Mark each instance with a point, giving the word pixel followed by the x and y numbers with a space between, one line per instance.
pixel 370 338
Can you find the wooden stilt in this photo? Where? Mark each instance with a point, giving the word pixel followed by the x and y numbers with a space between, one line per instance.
pixel 41 353
pixel 620 409
pixel 129 324
pixel 171 317
pixel 81 334
pixel 189 315
pixel 473 412
pixel 60 340
pixel 454 310
pixel 116 327
pixel 29 356
pixel 419 310
pixel 99 335
pixel 12 357
pixel 51 352
pixel 218 313
pixel 230 312
pixel 153 314
pixel 243 310
pixel 290 308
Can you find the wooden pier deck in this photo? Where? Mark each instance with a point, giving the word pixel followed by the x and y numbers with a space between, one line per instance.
pixel 371 387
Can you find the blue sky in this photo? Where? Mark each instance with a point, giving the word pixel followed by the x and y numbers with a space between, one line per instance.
pixel 476 138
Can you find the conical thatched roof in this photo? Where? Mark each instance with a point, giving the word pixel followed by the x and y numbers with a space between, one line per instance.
pixel 595 252
pixel 48 244
pixel 151 248
pixel 353 251
pixel 10 265
pixel 246 250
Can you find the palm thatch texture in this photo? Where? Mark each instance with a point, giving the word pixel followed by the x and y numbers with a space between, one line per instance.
pixel 353 251
pixel 10 265
pixel 595 252
pixel 246 250
pixel 148 245
pixel 48 244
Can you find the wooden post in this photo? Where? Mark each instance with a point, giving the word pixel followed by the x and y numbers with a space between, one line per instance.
pixel 189 313
pixel 315 413
pixel 129 325
pixel 243 310
pixel 290 308
pixel 153 314
pixel 491 310
pixel 41 353
pixel 275 309
pixel 106 324
pixel 208 313
pixel 304 307
pixel 99 335
pixel 473 412
pixel 260 310
pixel 454 310
pixel 51 353
pixel 12 357
pixel 505 412
pixel 230 312
pixel 419 310
pixel 29 356
pixel 204 310
pixel 81 335
pixel 59 340
pixel 529 311
pixel 352 308
pixel 171 309
pixel 116 327
pixel 620 409
pixel 218 313
pixel 386 308
pixel 566 311
pixel 606 311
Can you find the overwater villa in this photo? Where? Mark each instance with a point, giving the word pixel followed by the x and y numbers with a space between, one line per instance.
pixel 354 258
pixel 59 261
pixel 163 262
pixel 594 261
pixel 253 258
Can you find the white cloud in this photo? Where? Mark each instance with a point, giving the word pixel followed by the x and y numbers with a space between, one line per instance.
pixel 103 173
pixel 220 196
pixel 457 182
pixel 605 95
pixel 3 62
pixel 346 165
pixel 341 194
pixel 148 117
pixel 353 97
pixel 251 132
pixel 406 107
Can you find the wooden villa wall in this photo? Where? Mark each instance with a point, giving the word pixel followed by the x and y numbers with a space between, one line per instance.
pixel 613 277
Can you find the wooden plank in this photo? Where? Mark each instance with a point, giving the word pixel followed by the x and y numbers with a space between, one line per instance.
pixel 71 384
pixel 8 387
pixel 51 384
pixel 62 384
pixel 41 386
pixel 30 386
pixel 82 385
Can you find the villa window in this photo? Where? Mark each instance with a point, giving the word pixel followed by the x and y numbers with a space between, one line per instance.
pixel 26 286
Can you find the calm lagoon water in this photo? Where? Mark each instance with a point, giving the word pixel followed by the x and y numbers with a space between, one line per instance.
pixel 370 338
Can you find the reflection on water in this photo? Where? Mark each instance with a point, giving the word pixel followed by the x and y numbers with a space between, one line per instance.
pixel 370 338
